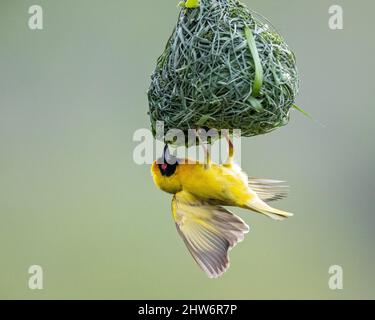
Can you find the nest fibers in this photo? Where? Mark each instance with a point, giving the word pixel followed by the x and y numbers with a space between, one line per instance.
pixel 223 67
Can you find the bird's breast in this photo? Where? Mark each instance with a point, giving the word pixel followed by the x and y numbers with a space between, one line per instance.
pixel 215 183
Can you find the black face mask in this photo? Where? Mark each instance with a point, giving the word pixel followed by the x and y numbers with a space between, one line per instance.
pixel 168 170
pixel 169 165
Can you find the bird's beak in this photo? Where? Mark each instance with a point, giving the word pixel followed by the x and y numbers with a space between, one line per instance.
pixel 167 157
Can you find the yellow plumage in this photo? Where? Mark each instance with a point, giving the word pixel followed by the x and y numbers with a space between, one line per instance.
pixel 200 192
pixel 214 183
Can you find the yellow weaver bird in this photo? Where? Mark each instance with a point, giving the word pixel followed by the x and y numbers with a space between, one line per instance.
pixel 200 191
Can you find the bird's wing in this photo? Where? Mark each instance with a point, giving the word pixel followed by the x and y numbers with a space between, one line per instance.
pixel 209 231
pixel 269 190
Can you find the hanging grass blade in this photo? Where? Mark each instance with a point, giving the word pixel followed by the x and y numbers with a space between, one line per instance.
pixel 302 111
pixel 259 74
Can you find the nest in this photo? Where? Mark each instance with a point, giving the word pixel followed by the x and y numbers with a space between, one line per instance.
pixel 224 67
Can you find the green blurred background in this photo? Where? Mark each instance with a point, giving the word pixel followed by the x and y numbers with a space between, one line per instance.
pixel 73 201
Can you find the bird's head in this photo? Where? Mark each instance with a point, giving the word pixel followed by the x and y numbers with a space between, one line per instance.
pixel 168 163
pixel 165 172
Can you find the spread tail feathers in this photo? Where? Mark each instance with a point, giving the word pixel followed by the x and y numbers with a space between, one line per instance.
pixel 269 190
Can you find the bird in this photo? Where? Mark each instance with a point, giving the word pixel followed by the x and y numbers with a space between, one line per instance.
pixel 201 191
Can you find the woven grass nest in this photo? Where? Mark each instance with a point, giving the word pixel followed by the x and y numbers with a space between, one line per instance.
pixel 224 67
